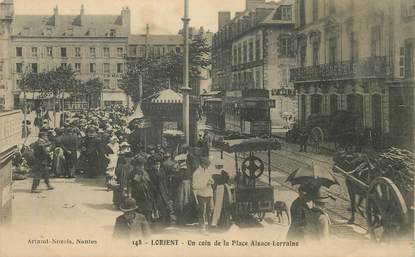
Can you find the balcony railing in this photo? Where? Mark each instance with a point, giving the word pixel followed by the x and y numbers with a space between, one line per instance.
pixel 371 67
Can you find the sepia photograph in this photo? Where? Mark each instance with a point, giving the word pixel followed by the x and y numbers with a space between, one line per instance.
pixel 207 128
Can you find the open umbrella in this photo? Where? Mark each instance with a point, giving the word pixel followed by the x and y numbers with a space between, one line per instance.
pixel 312 175
pixel 138 114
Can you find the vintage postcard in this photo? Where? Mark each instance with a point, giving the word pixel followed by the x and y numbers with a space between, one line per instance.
pixel 207 128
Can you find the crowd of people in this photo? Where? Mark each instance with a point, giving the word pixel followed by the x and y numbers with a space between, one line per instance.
pixel 154 186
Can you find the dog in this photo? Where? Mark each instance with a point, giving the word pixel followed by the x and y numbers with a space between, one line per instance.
pixel 279 208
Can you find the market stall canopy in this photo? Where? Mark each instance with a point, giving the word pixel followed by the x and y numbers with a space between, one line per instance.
pixel 250 145
pixel 166 96
pixel 138 114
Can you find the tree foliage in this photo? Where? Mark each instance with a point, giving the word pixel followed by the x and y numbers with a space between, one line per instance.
pixel 160 71
pixel 50 83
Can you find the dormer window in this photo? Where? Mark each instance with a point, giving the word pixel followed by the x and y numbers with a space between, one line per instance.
pixel 113 33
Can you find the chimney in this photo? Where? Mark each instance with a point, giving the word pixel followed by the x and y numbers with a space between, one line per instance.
pixel 81 15
pixel 126 18
pixel 223 18
pixel 252 4
pixel 56 16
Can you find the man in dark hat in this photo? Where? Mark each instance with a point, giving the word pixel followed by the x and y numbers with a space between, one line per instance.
pixel 162 200
pixel 298 211
pixel 131 224
pixel 41 162
pixel 139 188
pixel 317 220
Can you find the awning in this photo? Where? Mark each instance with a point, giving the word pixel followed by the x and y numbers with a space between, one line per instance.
pixel 37 95
pixel 211 93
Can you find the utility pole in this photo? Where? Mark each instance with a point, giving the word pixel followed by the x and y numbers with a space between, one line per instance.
pixel 186 89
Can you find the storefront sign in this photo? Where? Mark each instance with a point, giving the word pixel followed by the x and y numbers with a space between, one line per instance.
pixel 284 92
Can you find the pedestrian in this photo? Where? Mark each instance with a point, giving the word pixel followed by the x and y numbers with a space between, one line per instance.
pixel 163 202
pixel 92 142
pixel 303 140
pixel 41 154
pixel 70 145
pixel 111 153
pixel 139 188
pixel 317 220
pixel 222 197
pixel 121 174
pixel 298 211
pixel 202 189
pixel 132 224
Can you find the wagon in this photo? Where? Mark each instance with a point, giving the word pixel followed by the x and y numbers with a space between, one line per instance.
pixel 340 127
pixel 389 207
pixel 252 196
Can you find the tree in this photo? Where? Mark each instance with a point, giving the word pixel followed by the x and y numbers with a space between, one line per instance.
pixel 50 83
pixel 91 90
pixel 158 72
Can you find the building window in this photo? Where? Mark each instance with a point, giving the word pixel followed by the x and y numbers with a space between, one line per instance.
pixel 19 51
pixel 303 49
pixel 77 52
pixel 333 103
pixel 375 39
pixel 106 52
pixel 409 60
pixel 285 13
pixel 113 33
pixel 316 102
pixel 19 67
pixel 92 52
pixel 78 67
pixel 64 65
pixel 92 68
pixel 119 83
pixel 18 84
pixel 332 50
pixel 251 51
pixel 315 10
pixel 257 49
pixel 106 83
pixel 119 67
pixel 285 47
pixel 355 106
pixel 332 7
pixel 49 51
pixel 34 51
pixel 63 52
pixel 178 50
pixel 239 54
pixel 316 46
pixel 354 50
pixel 245 54
pixel 34 67
pixel 106 68
pixel 235 56
pixel 302 12
pixel 142 51
pixel 120 52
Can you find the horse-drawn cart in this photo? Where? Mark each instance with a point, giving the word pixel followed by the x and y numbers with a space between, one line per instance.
pixel 389 198
pixel 252 196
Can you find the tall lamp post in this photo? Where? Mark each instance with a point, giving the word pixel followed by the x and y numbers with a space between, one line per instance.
pixel 186 89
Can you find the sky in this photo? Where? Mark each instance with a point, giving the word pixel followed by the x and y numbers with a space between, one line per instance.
pixel 163 16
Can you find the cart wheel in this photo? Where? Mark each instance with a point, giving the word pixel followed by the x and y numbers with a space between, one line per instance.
pixel 386 210
pixel 259 216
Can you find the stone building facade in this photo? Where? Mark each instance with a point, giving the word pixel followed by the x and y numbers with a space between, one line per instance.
pixel 6 20
pixel 356 56
pixel 93 45
pixel 254 51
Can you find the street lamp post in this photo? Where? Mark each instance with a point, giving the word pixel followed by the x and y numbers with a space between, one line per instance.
pixel 186 89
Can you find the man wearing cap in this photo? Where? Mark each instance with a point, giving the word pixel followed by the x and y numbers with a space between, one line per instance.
pixel 131 224
pixel 317 220
pixel 41 162
pixel 298 211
